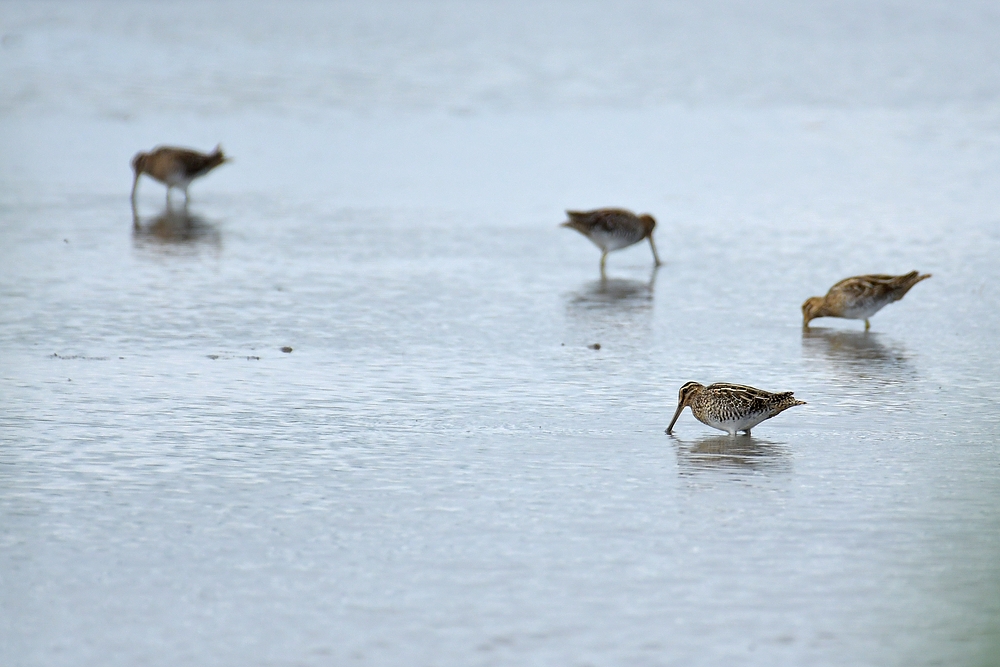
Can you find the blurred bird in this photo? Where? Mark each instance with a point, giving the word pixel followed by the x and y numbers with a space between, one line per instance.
pixel 731 407
pixel 860 297
pixel 174 167
pixel 612 229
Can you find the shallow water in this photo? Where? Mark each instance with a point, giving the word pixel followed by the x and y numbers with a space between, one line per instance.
pixel 443 471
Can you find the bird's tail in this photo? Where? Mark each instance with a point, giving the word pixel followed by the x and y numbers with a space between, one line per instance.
pixel 908 281
pixel 218 157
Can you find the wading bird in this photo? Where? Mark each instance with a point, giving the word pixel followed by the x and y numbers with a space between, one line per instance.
pixel 174 167
pixel 860 297
pixel 612 229
pixel 731 407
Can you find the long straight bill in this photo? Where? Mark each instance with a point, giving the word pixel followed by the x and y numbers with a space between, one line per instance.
pixel 656 258
pixel 680 407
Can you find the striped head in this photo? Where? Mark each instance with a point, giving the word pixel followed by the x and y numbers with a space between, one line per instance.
pixel 139 163
pixel 685 397
pixel 648 223
pixel 813 307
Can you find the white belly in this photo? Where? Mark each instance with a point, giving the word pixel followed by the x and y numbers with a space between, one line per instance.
pixel 178 180
pixel 863 311
pixel 608 242
pixel 741 424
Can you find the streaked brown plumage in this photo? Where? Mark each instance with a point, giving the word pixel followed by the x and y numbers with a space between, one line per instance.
pixel 174 167
pixel 860 297
pixel 731 407
pixel 613 228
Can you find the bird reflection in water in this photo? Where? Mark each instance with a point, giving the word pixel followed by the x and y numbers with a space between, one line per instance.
pixel 612 310
pixel 858 354
pixel 174 229
pixel 725 453
pixel 615 293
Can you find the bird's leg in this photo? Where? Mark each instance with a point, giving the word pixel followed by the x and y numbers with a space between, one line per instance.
pixel 169 187
pixel 604 257
pixel 868 325
pixel 135 184
pixel 652 277
pixel 656 258
pixel 747 432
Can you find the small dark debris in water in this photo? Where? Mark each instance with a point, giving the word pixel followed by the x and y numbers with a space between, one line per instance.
pixel 121 357
pixel 65 240
pixel 562 344
pixel 253 358
pixel 56 355
pixel 286 349
pixel 595 346
pixel 213 356
pixel 69 379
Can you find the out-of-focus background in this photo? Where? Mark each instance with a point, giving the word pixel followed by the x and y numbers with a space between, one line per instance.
pixel 442 471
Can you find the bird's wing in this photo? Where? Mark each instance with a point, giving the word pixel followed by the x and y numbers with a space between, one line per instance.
pixel 197 163
pixel 743 398
pixel 873 286
pixel 615 221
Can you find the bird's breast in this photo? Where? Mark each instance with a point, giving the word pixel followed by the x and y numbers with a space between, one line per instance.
pixel 862 309
pixel 613 239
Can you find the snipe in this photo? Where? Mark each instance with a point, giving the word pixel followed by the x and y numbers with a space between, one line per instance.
pixel 174 167
pixel 731 407
pixel 860 297
pixel 612 229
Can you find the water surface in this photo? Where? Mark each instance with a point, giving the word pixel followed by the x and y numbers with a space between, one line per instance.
pixel 442 470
